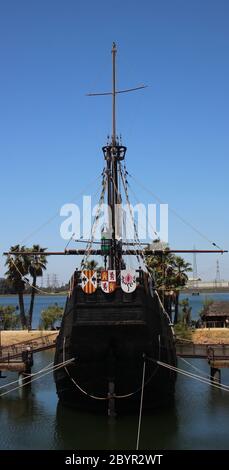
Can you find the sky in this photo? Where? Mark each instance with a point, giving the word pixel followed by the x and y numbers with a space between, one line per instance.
pixel 53 52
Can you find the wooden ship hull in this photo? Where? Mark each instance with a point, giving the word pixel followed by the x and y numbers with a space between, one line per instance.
pixel 110 337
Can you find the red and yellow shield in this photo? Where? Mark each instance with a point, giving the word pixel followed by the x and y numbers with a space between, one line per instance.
pixel 108 281
pixel 89 281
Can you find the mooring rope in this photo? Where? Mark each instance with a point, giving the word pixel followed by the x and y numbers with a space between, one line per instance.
pixel 141 404
pixel 190 375
pixel 96 397
pixel 194 367
pixel 57 367
pixel 30 375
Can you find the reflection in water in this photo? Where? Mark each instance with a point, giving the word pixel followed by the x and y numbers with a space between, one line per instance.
pixel 31 419
pixel 80 430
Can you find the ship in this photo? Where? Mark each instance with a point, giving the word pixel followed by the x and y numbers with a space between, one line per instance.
pixel 115 352
pixel 115 329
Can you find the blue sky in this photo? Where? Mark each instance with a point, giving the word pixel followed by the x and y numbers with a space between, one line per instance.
pixel 53 52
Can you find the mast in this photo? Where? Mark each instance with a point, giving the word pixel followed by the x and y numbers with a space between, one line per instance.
pixel 113 259
pixel 114 52
pixel 113 153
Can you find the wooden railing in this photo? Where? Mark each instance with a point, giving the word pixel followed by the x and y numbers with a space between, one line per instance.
pixel 13 351
pixel 203 351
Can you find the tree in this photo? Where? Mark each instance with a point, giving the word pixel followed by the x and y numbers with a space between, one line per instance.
pixel 50 316
pixel 169 273
pixel 186 311
pixel 9 319
pixel 161 269
pixel 37 264
pixel 18 266
pixel 181 267
pixel 91 264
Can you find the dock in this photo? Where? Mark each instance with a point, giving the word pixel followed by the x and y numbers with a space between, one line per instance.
pixel 18 357
pixel 203 351
pixel 217 356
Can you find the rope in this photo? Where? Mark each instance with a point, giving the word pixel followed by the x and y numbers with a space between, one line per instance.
pixel 148 220
pixel 124 182
pixel 201 234
pixel 163 309
pixel 31 375
pixel 59 366
pixel 141 403
pixel 74 382
pixel 24 279
pixel 95 397
pixel 58 213
pixel 193 367
pixel 190 375
pixel 141 252
pixel 95 222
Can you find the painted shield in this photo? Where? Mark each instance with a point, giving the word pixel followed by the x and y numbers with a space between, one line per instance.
pixel 108 281
pixel 128 280
pixel 89 281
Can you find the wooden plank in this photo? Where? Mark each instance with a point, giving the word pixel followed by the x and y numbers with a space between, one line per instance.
pixel 13 366
pixel 219 364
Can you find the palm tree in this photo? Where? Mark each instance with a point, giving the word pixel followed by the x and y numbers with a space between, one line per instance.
pixel 186 311
pixel 18 266
pixel 37 265
pixel 181 267
pixel 91 265
pixel 161 268
pixel 170 276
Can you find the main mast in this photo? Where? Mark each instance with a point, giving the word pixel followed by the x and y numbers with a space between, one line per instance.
pixel 114 52
pixel 113 153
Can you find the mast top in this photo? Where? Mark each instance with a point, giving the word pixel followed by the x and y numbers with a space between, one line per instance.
pixel 113 51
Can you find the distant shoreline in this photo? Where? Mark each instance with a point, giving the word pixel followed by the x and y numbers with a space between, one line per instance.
pixel 185 291
pixel 205 291
pixel 60 294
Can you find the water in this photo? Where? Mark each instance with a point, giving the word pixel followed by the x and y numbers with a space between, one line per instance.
pixel 32 418
pixel 41 303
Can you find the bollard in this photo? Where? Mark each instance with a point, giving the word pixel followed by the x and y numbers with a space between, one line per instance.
pixel 215 375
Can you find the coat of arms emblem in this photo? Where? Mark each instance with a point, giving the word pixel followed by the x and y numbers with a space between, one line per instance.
pixel 128 280
pixel 108 281
pixel 89 281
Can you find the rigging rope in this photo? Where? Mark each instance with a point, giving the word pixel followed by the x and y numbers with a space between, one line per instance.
pixel 147 218
pixel 95 222
pixel 141 251
pixel 72 237
pixel 57 367
pixel 201 234
pixel 82 192
pixel 25 279
pixel 124 182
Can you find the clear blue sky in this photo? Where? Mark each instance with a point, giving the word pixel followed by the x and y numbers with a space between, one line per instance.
pixel 52 52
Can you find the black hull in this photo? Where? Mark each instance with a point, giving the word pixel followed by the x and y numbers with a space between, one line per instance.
pixel 108 335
